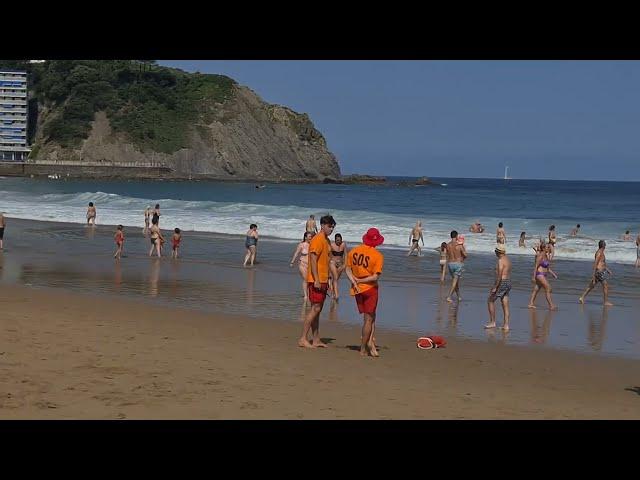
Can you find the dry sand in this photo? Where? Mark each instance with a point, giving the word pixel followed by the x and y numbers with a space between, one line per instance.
pixel 71 356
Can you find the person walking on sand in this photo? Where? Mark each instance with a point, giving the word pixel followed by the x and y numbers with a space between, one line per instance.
pixel 91 215
pixel 156 237
pixel 302 254
pixel 364 267
pixel 574 231
pixel 456 254
pixel 147 220
pixel 336 265
pixel 552 241
pixel 251 244
pixel 540 270
pixel 310 226
pixel 317 282
pixel 601 274
pixel 501 235
pixel 119 239
pixel 3 224
pixel 501 289
pixel 414 237
pixel 443 260
pixel 176 238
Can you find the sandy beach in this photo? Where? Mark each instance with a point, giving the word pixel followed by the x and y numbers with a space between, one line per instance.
pixel 66 355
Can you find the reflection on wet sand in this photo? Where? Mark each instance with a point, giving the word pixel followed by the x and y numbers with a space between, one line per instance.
pixel 154 277
pixel 597 326
pixel 251 282
pixel 333 311
pixel 117 275
pixel 452 315
pixel 540 333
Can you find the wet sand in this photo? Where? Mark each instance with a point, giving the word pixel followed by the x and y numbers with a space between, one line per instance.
pixel 209 277
pixel 67 355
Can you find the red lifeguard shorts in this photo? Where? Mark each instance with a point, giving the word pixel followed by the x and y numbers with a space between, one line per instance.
pixel 315 295
pixel 367 301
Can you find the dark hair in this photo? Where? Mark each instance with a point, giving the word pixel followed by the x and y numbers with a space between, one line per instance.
pixel 155 220
pixel 602 244
pixel 500 225
pixel 523 234
pixel 157 205
pixel 91 204
pixel 312 216
pixel 552 227
pixel 327 220
pixel 337 235
pixel 120 227
pixel 177 230
pixel 627 232
pixel 304 237
pixel 443 246
pixel 454 234
pixel 578 225
pixel 253 225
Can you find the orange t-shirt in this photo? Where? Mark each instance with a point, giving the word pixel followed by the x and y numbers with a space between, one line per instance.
pixel 320 246
pixel 363 262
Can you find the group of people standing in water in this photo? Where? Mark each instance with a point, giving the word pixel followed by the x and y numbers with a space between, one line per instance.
pixel 151 229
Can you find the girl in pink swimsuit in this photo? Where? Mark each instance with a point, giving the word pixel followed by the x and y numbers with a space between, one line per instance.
pixel 303 264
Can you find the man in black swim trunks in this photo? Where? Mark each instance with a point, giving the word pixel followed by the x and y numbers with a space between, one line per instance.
pixel 414 237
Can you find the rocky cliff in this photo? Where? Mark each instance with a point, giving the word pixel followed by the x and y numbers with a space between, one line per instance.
pixel 110 113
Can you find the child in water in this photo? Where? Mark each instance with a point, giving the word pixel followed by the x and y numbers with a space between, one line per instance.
pixel 522 239
pixel 175 242
pixel 119 238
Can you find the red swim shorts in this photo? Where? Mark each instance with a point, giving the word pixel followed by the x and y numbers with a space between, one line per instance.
pixel 315 295
pixel 367 301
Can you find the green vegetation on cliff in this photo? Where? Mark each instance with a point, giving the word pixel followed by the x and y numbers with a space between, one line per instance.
pixel 156 107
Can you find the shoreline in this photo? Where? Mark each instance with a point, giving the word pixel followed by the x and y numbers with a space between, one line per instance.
pixel 209 277
pixel 70 355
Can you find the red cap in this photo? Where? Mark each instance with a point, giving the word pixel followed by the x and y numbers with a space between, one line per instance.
pixel 372 238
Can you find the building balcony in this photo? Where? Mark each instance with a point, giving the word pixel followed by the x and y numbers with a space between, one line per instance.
pixel 20 111
pixel 11 101
pixel 13 93
pixel 4 76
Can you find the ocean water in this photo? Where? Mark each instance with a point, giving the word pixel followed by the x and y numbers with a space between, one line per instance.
pixel 604 209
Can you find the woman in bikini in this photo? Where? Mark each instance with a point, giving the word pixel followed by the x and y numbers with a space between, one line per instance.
pixel 156 237
pixel 540 271
pixel 552 241
pixel 303 264
pixel 336 264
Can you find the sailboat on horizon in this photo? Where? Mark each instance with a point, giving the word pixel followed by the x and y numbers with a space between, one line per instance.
pixel 506 172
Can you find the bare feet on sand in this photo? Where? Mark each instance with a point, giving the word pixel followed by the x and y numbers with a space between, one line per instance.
pixel 608 304
pixel 319 344
pixel 304 343
pixel 553 307
pixel 531 305
pixel 581 300
pixel 490 325
pixel 505 328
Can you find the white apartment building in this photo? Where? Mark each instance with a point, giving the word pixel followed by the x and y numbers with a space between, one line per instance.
pixel 13 116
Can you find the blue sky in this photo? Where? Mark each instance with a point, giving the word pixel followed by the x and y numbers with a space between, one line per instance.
pixel 545 119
